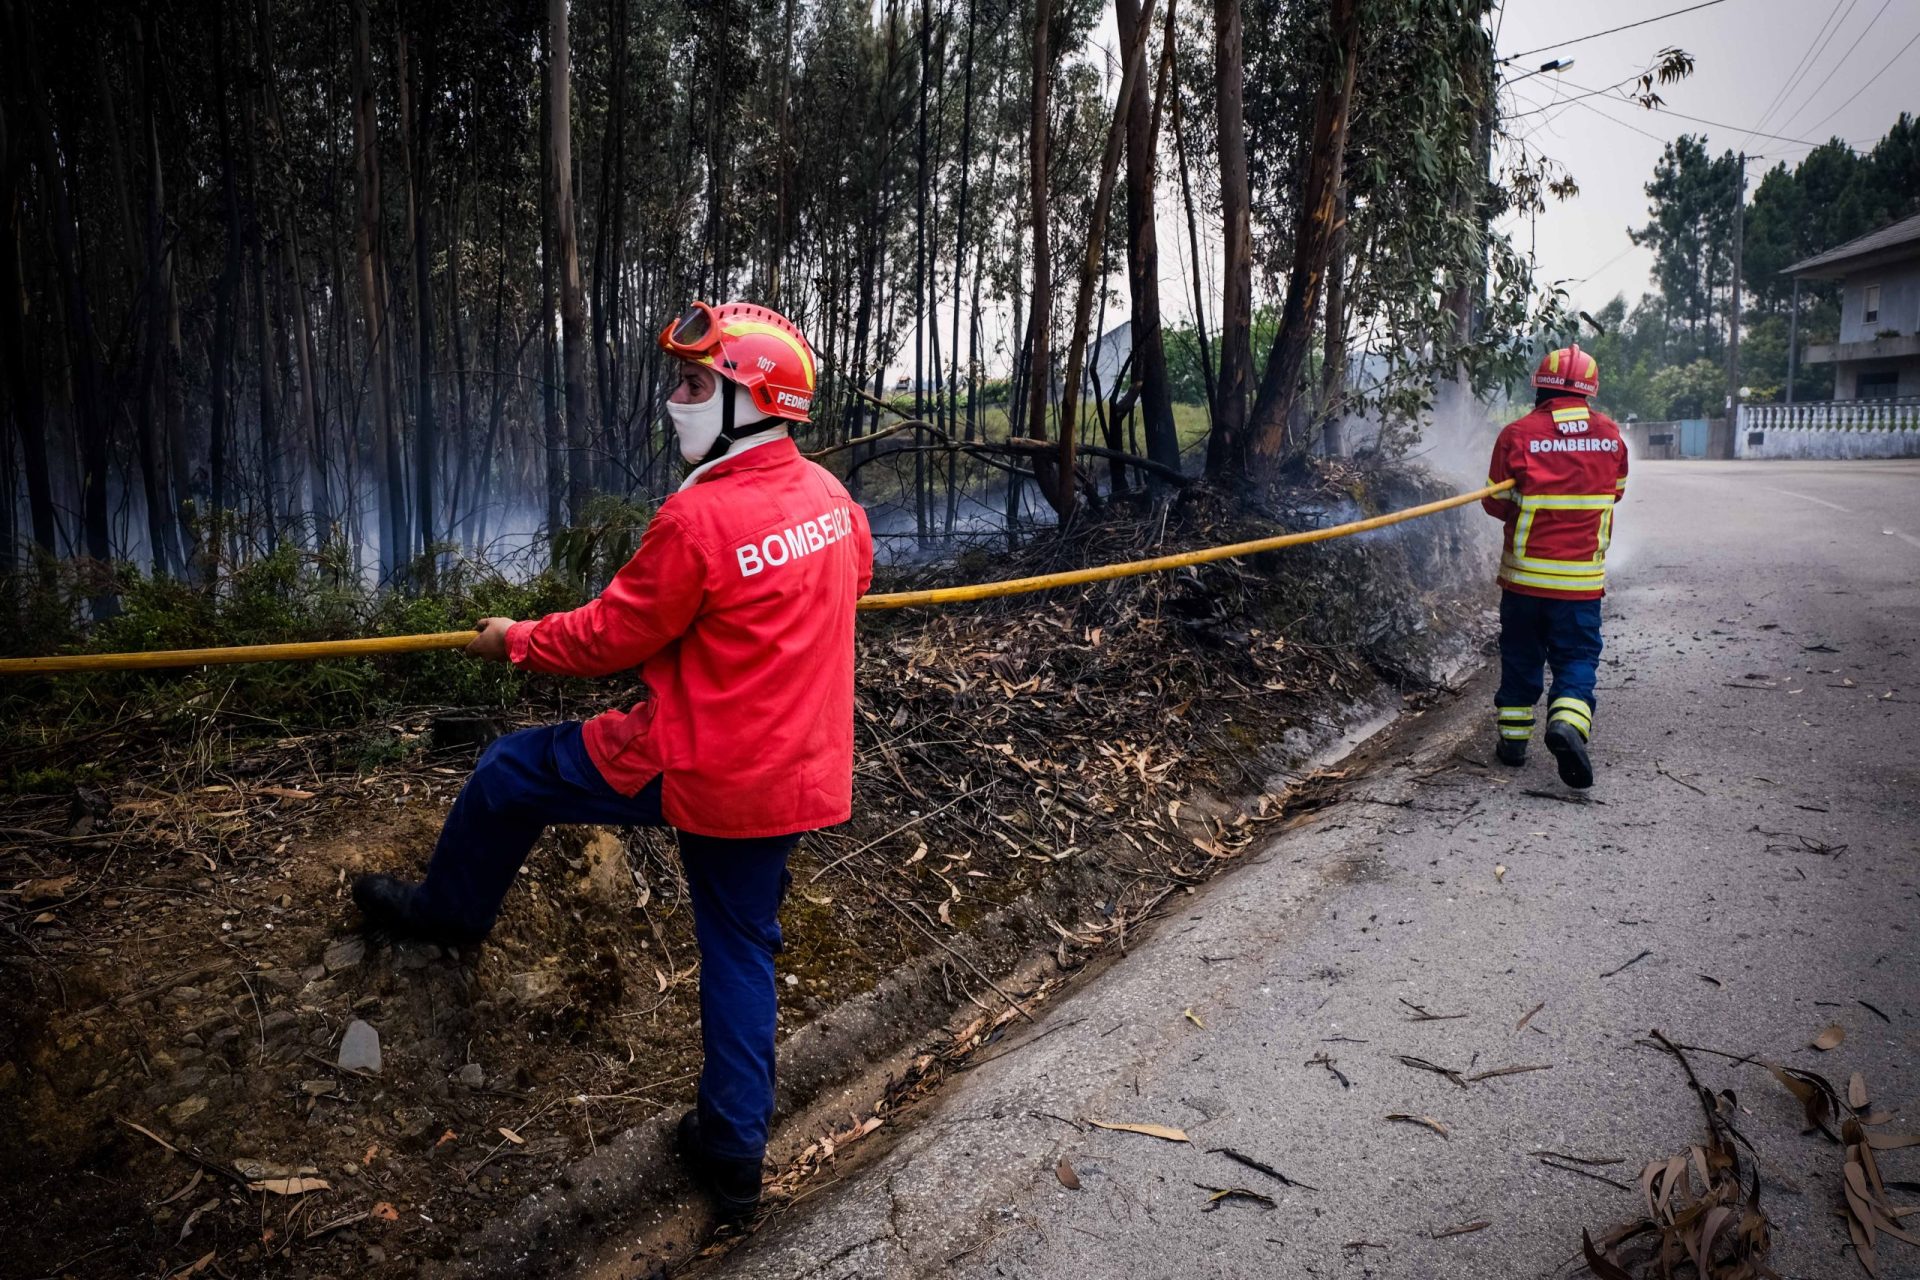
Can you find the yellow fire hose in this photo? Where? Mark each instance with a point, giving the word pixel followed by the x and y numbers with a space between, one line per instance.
pixel 315 650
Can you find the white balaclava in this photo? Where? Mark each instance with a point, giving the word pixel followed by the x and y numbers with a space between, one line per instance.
pixel 698 426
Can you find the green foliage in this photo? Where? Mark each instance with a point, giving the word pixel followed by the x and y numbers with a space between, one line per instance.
pixel 286 596
pixel 1696 390
pixel 1691 234
pixel 592 551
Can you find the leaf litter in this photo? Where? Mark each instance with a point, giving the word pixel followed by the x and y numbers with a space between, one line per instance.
pixel 1702 1206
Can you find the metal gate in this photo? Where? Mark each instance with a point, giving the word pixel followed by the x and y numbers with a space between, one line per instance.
pixel 1693 437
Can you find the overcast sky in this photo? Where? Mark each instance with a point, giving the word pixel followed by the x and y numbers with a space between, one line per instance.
pixel 1745 52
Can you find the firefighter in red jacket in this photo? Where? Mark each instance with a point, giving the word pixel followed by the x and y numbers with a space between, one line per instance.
pixel 1569 468
pixel 738 609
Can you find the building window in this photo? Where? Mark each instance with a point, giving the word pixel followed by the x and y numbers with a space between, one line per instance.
pixel 1872 311
pixel 1877 386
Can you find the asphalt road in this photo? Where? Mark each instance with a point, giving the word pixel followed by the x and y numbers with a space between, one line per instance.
pixel 1749 879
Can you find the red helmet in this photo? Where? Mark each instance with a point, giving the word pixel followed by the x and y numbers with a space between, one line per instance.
pixel 1569 369
pixel 757 348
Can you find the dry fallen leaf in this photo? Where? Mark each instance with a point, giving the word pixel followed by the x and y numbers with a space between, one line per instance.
pixel 1166 1133
pixel 512 1137
pixel 35 893
pixel 1068 1178
pixel 1428 1121
pixel 1857 1092
pixel 446 1137
pixel 1830 1038
pixel 286 793
pixel 1193 1017
pixel 385 1212
pixel 918 854
pixel 290 1186
pixel 1499 873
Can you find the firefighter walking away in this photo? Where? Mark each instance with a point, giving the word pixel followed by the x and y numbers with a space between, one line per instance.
pixel 1569 467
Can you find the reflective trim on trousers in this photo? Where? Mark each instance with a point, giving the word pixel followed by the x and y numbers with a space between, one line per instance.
pixel 1549 583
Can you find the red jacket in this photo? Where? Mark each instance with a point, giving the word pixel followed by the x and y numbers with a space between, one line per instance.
pixel 1570 466
pixel 738 610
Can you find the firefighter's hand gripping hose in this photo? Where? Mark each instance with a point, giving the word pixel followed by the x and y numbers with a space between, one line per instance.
pixel 316 650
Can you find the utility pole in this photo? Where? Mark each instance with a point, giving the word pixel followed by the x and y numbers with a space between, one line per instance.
pixel 1733 310
pixel 1793 340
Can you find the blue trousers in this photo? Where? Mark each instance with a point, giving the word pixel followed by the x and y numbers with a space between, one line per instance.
pixel 537 777
pixel 1562 634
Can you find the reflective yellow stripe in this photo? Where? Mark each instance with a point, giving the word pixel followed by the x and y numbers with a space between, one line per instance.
pixel 1571 586
pixel 1576 704
pixel 1570 415
pixel 1520 734
pixel 1516 713
pixel 735 328
pixel 1565 501
pixel 1555 568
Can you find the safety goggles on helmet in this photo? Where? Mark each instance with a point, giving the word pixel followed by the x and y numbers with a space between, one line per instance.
pixel 695 335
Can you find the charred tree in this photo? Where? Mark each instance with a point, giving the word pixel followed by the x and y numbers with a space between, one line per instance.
pixel 1312 243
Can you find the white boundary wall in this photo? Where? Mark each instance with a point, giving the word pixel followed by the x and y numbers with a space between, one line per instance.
pixel 1830 429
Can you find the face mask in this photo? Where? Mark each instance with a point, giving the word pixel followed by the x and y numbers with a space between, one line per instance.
pixel 697 426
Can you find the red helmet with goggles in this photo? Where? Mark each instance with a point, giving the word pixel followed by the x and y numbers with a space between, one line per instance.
pixel 756 348
pixel 1569 369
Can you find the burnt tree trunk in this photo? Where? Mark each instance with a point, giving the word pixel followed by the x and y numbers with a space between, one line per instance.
pixel 1040 318
pixel 1227 442
pixel 1312 241
pixel 566 242
pixel 1155 400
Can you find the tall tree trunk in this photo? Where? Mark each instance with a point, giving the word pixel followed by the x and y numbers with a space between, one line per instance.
pixel 271 459
pixel 606 244
pixel 1143 249
pixel 959 279
pixel 1193 252
pixel 90 417
pixel 549 355
pixel 1333 372
pixel 295 323
pixel 1227 442
pixel 373 300
pixel 573 314
pixel 155 490
pixel 922 281
pixel 1312 240
pixel 25 399
pixel 1040 319
pixel 1092 269
pixel 416 102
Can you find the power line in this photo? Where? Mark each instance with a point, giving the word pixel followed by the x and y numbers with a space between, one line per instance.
pixel 1793 76
pixel 1561 44
pixel 1561 102
pixel 1753 133
pixel 1809 100
pixel 1645 133
pixel 1863 88
pixel 1818 47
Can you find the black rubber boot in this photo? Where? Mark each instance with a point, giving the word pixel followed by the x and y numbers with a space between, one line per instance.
pixel 1570 753
pixel 734 1184
pixel 387 903
pixel 1511 751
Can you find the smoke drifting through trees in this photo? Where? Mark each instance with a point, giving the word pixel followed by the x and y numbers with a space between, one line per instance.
pixel 369 276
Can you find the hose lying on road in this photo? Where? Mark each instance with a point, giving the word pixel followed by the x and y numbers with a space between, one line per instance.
pixel 314 650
